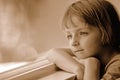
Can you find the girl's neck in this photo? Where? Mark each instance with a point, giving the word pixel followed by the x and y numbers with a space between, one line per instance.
pixel 106 56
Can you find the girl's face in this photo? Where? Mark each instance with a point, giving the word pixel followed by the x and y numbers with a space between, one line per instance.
pixel 84 40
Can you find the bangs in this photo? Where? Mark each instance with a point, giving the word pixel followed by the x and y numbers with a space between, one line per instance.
pixel 75 10
pixel 85 11
pixel 67 19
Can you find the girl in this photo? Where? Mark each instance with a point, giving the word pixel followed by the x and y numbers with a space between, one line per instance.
pixel 93 31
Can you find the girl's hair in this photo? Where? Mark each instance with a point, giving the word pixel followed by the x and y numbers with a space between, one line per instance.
pixel 97 13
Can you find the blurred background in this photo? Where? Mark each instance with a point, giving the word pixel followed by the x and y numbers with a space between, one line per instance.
pixel 34 22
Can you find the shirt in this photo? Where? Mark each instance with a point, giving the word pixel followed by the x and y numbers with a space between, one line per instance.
pixel 112 69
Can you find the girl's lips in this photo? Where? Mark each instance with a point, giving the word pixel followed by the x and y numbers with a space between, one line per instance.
pixel 78 50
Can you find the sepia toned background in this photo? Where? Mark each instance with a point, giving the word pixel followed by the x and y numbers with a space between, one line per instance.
pixel 35 22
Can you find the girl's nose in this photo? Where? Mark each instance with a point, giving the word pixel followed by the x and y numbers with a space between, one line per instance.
pixel 75 43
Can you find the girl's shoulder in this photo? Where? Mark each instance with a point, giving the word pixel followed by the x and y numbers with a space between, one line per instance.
pixel 112 70
pixel 115 60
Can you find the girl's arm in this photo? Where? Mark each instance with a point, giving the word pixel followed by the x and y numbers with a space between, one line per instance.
pixel 85 69
pixel 63 59
pixel 92 68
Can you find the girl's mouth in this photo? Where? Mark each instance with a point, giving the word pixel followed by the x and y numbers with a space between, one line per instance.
pixel 79 50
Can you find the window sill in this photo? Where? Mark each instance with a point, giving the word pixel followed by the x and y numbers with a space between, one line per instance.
pixel 59 75
pixel 37 70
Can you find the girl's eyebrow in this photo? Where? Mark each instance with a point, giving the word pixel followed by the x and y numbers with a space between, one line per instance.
pixel 68 32
pixel 84 28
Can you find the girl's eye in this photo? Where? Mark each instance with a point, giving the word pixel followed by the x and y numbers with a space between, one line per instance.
pixel 84 33
pixel 69 36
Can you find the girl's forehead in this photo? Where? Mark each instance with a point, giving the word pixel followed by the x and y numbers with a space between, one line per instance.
pixel 76 23
pixel 78 29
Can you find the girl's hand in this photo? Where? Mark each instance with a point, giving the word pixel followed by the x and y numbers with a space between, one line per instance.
pixel 92 67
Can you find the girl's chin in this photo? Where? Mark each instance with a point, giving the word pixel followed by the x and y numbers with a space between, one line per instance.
pixel 79 56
